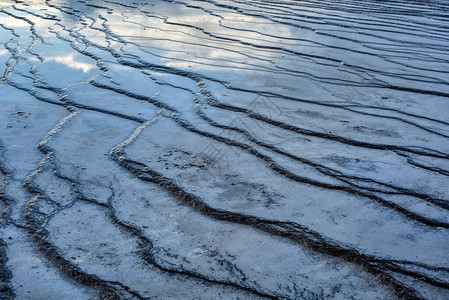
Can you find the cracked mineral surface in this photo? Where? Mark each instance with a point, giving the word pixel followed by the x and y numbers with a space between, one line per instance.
pixel 224 149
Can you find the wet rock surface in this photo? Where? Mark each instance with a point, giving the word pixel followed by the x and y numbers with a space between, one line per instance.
pixel 224 149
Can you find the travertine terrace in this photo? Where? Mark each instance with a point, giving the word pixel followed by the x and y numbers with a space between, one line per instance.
pixel 224 149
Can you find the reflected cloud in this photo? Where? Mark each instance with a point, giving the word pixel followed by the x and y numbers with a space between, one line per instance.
pixel 10 22
pixel 70 62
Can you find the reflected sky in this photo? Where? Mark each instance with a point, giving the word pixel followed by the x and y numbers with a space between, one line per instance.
pixel 302 43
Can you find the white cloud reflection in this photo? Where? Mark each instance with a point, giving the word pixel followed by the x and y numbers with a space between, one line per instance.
pixel 70 62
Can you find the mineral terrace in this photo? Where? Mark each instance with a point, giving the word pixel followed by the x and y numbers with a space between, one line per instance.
pixel 224 149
